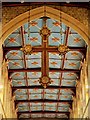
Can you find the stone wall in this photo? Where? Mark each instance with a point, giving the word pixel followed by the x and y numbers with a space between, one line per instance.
pixel 7 101
pixel 81 102
pixel 81 14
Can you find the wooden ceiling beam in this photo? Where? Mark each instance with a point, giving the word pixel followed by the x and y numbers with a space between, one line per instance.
pixel 25 70
pixel 24 57
pixel 40 87
pixel 39 70
pixel 49 49
pixel 45 101
pixel 34 112
pixel 63 62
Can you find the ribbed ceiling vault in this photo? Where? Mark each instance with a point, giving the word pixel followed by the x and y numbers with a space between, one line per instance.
pixel 24 71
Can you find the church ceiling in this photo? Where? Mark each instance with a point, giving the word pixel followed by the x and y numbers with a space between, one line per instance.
pixel 24 71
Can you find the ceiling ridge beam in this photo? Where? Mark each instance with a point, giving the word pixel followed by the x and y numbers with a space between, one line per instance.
pixel 45 100
pixel 37 49
pixel 39 70
pixel 28 112
pixel 40 87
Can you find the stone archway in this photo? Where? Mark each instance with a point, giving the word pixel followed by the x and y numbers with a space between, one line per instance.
pixel 50 12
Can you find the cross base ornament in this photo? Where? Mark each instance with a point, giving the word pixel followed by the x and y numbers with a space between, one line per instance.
pixel 63 49
pixel 45 81
pixel 27 50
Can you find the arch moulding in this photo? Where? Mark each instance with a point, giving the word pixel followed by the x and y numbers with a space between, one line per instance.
pixel 50 12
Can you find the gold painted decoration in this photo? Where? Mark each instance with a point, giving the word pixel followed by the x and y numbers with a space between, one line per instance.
pixel 63 49
pixel 45 32
pixel 45 81
pixel 33 23
pixel 27 50
pixel 74 54
pixel 14 53
pixel 56 23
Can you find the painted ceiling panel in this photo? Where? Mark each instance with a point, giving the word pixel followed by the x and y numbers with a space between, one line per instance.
pixel 15 64
pixel 35 90
pixel 22 104
pixel 18 75
pixel 50 108
pixel 54 55
pixel 13 40
pixel 63 108
pixel 50 115
pixel 35 96
pixel 62 68
pixel 14 54
pixel 75 40
pixel 50 104
pixel 36 108
pixel 66 91
pixel 36 104
pixel 55 63
pixel 18 83
pixel 34 55
pixel 24 116
pixel 68 82
pixel 34 40
pixel 72 64
pixel 55 39
pixel 35 26
pixel 55 82
pixel 20 91
pixel 23 108
pixel 34 74
pixel 65 97
pixel 55 26
pixel 32 82
pixel 69 75
pixel 21 97
pixel 74 55
pixel 51 96
pixel 34 63
pixel 61 116
pixel 64 104
pixel 54 74
pixel 51 91
pixel 36 115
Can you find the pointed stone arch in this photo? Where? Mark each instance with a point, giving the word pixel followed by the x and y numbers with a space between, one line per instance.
pixel 50 12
